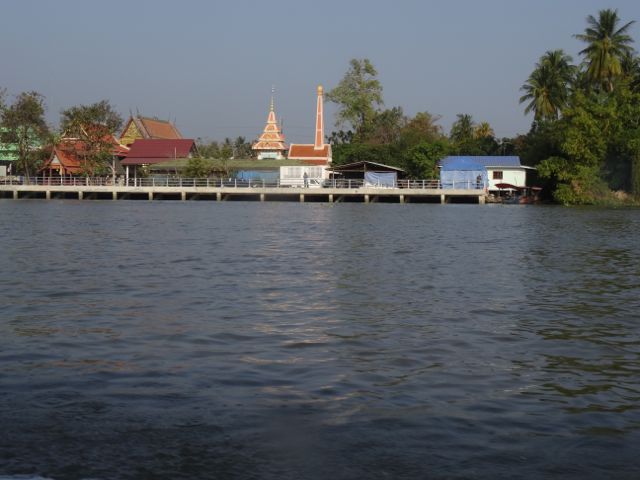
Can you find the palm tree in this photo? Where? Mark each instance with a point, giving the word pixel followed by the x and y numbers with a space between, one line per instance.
pixel 606 46
pixel 547 88
pixel 483 130
pixel 462 128
pixel 631 69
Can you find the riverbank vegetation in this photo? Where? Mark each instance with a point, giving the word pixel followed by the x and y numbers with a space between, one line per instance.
pixel 584 139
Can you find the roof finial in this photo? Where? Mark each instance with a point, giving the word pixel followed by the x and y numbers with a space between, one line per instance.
pixel 273 91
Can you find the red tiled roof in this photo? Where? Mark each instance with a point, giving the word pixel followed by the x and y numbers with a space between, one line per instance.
pixel 160 129
pixel 308 152
pixel 148 151
pixel 70 152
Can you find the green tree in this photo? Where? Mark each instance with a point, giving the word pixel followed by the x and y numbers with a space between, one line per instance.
pixel 198 167
pixel 340 137
pixel 95 126
pixel 358 96
pixel 631 70
pixel 462 129
pixel 387 126
pixel 599 143
pixel 242 148
pixel 24 125
pixel 422 127
pixel 421 160
pixel 483 130
pixel 226 154
pixel 607 44
pixel 208 150
pixel 547 88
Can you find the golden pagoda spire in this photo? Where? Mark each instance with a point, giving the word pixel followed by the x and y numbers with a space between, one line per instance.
pixel 273 91
pixel 271 144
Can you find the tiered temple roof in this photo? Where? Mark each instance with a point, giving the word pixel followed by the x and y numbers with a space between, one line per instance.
pixel 271 144
pixel 138 127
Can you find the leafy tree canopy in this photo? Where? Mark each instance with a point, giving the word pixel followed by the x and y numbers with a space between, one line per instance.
pixel 358 96
pixel 24 125
pixel 94 125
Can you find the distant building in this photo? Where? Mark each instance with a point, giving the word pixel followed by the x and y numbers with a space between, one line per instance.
pixel 371 174
pixel 318 153
pixel 271 144
pixel 139 128
pixel 500 170
pixel 149 152
pixel 9 154
pixel 68 157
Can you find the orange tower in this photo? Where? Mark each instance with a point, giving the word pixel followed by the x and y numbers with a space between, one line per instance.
pixel 271 144
pixel 319 153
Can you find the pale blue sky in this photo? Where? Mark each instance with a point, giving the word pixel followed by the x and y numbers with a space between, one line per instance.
pixel 210 65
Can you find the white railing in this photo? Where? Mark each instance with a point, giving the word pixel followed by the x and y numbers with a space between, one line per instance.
pixel 231 182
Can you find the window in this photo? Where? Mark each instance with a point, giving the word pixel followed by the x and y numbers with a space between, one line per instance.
pixel 497 175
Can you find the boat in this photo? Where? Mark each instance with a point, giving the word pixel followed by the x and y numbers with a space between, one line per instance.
pixel 518 195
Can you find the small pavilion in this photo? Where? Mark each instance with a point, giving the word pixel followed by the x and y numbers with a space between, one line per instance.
pixel 271 144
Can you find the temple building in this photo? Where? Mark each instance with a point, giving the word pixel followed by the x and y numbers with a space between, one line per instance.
pixel 271 144
pixel 145 128
pixel 318 153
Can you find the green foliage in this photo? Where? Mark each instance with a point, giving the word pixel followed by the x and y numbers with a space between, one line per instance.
pixel 357 152
pixel 358 95
pixel 607 44
pixel 208 150
pixel 198 167
pixel 95 125
pixel 421 160
pixel 24 125
pixel 586 128
pixel 547 88
pixel 386 126
pixel 462 129
pixel 242 148
pixel 422 127
pixel 469 138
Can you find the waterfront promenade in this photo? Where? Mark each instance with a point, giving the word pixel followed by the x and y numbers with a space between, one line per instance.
pixel 332 191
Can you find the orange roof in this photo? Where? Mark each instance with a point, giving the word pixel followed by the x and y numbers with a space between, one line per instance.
pixel 308 152
pixel 272 137
pixel 70 153
pixel 160 128
pixel 152 128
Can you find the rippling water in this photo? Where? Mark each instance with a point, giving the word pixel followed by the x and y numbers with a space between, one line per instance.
pixel 288 341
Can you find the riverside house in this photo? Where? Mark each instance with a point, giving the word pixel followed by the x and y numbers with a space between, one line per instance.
pixel 499 169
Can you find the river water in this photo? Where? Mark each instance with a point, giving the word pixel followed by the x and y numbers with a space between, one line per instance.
pixel 241 340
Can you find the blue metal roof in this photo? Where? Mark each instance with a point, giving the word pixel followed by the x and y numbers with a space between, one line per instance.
pixel 486 161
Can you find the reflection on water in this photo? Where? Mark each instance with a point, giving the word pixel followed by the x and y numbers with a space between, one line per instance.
pixel 233 340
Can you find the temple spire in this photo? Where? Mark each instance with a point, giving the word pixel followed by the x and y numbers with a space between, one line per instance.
pixel 273 91
pixel 319 141
pixel 271 144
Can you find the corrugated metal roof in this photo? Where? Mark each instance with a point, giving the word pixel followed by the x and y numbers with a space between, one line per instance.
pixel 487 160
pixel 145 151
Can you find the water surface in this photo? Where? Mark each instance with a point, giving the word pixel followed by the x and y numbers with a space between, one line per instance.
pixel 287 341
